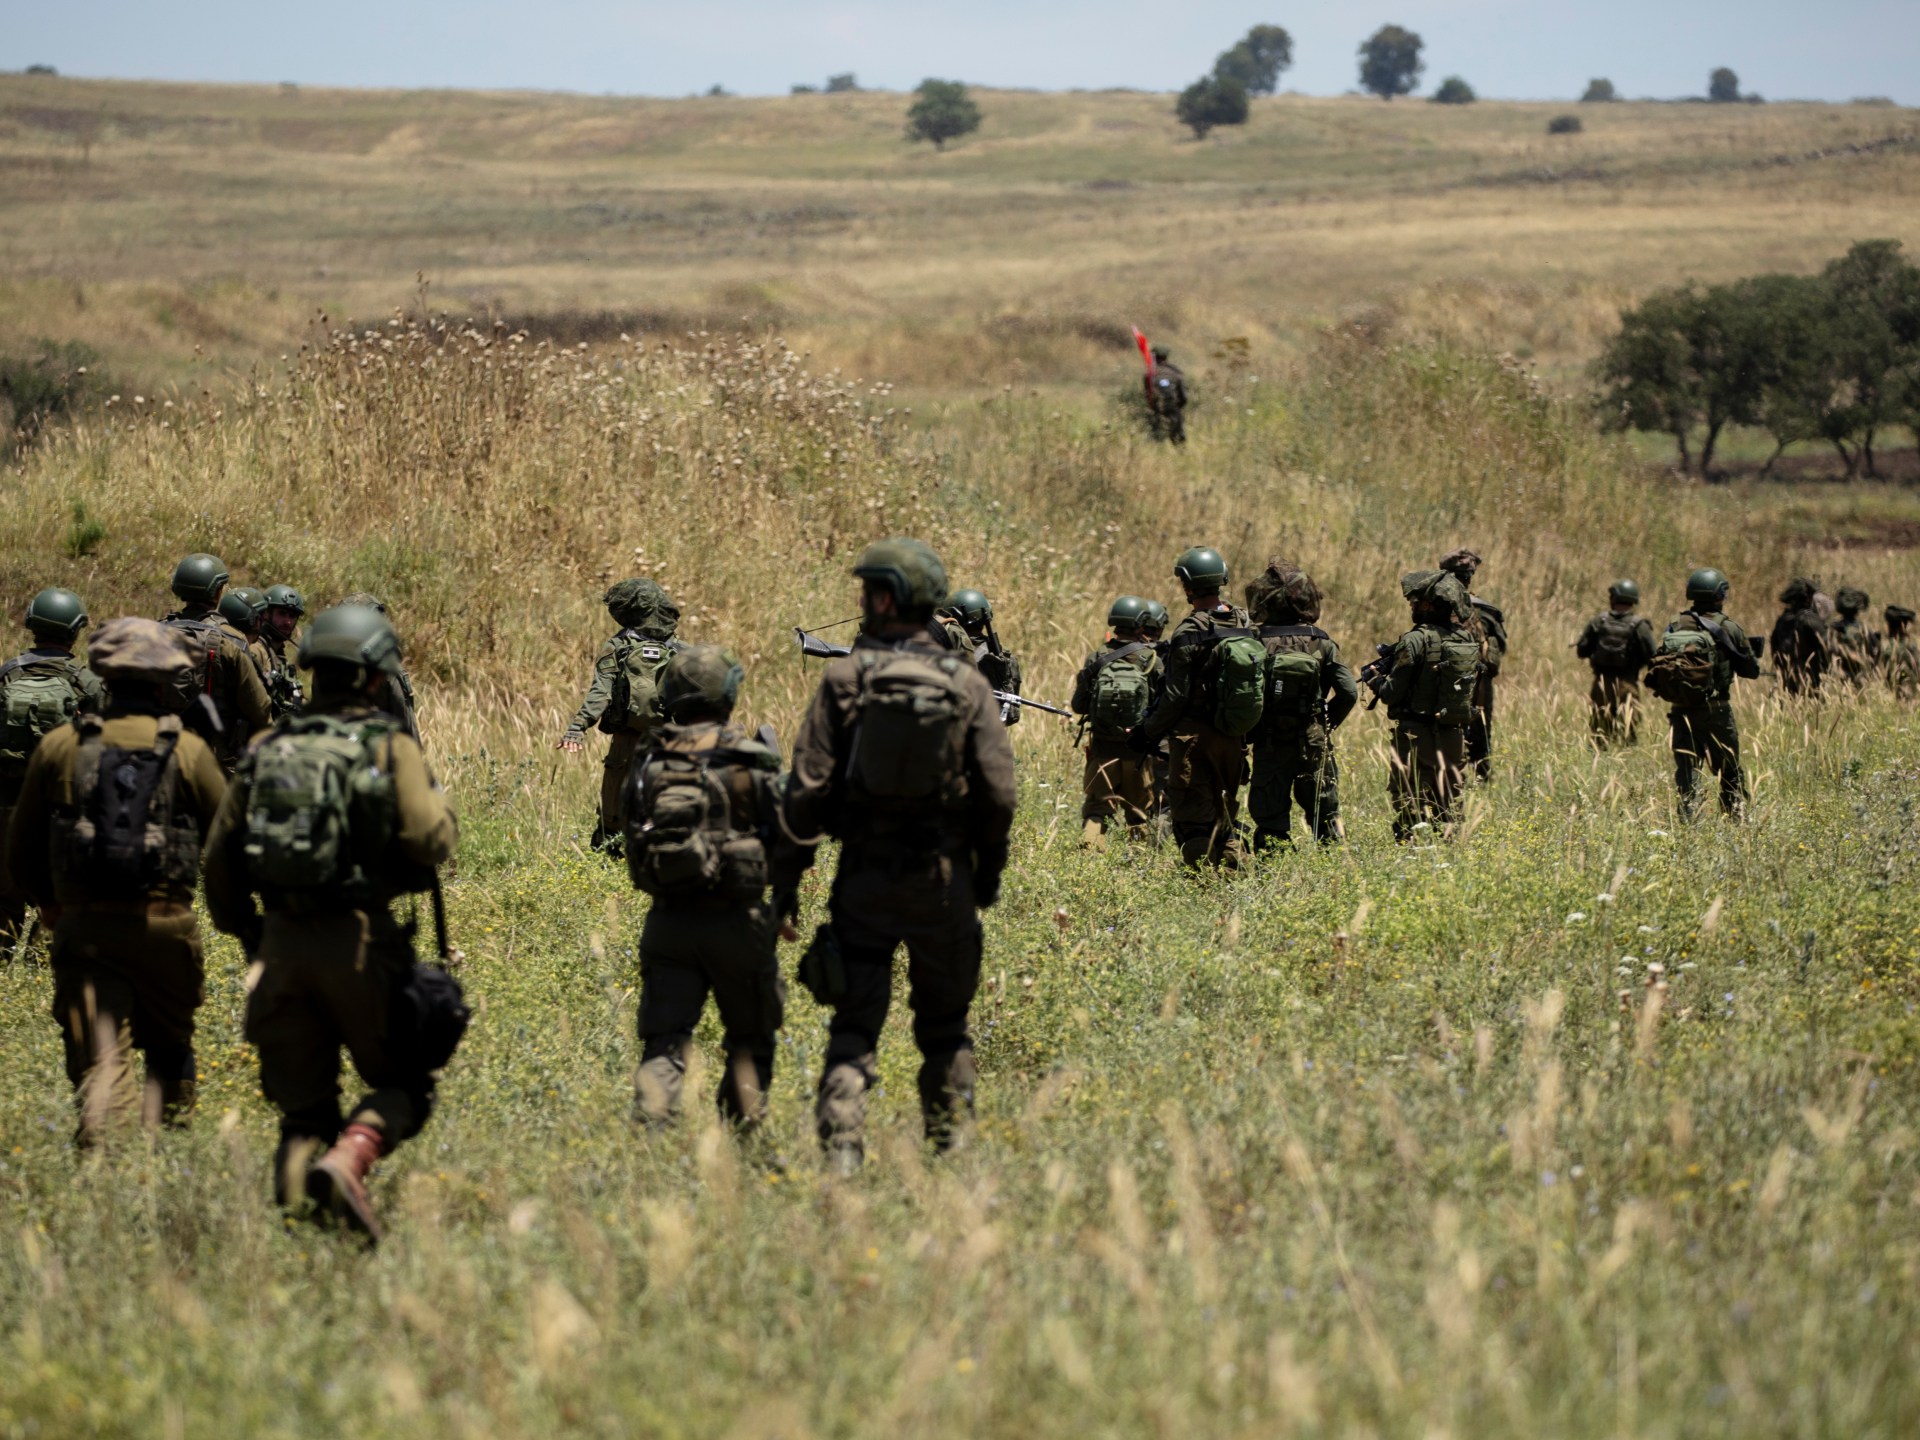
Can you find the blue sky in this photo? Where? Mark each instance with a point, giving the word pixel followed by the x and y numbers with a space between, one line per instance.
pixel 1833 50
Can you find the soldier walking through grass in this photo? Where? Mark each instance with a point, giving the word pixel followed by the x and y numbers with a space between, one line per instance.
pixel 1309 692
pixel 1112 693
pixel 1901 657
pixel 1693 670
pixel 1490 625
pixel 1855 644
pixel 1166 386
pixel 222 698
pixel 972 612
pixel 1428 680
pixel 1616 644
pixel 1801 639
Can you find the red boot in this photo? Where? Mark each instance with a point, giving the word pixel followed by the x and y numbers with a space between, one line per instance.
pixel 337 1183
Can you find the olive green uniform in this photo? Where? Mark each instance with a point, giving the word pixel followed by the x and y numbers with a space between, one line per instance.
pixel 1429 754
pixel 1800 642
pixel 1855 647
pixel 695 945
pixel 1491 624
pixel 914 878
pixel 625 739
pixel 1002 669
pixel 1900 659
pixel 1166 386
pixel 1294 762
pixel 1206 767
pixel 330 969
pixel 126 967
pixel 1617 645
pixel 232 679
pixel 92 697
pixel 1117 783
pixel 1707 734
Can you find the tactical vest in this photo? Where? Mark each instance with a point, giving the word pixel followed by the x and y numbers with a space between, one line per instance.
pixel 202 638
pixel 679 812
pixel 1443 689
pixel 37 694
pixel 128 828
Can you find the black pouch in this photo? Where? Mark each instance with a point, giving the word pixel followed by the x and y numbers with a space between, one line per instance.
pixel 437 1013
pixel 823 970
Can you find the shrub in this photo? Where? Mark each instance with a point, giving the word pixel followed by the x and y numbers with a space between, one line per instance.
pixel 53 379
pixel 942 111
pixel 1211 101
pixel 1599 92
pixel 1454 91
pixel 1564 125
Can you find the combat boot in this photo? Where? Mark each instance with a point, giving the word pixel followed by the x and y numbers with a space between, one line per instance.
pixel 656 1088
pixel 946 1097
pixel 1093 836
pixel 337 1183
pixel 840 1116
pixel 292 1159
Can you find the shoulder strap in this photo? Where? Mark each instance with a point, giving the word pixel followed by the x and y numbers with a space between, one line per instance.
pixel 1288 632
pixel 1102 661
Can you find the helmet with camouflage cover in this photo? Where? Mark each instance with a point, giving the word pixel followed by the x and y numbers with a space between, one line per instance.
pixel 972 606
pixel 285 597
pixel 130 648
pixel 56 614
pixel 1624 592
pixel 1201 569
pixel 1798 592
pixel 1706 586
pixel 1899 617
pixel 367 598
pixel 1284 594
pixel 1851 600
pixel 199 578
pixel 352 635
pixel 910 570
pixel 1463 564
pixel 1154 618
pixel 702 680
pixel 1126 613
pixel 642 605
pixel 243 606
pixel 1435 587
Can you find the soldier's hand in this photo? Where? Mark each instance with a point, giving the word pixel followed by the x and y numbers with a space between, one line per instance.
pixel 789 931
pixel 573 742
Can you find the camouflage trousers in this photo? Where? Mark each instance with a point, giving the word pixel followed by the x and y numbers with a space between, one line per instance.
pixel 1285 772
pixel 1117 784
pixel 1613 710
pixel 613 780
pixel 687 952
pixel 1707 738
pixel 1205 772
pixel 1425 772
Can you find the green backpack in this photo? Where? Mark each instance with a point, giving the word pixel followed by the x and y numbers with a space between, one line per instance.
pixel 1295 694
pixel 635 706
pixel 1446 683
pixel 909 730
pixel 1238 667
pixel 1122 691
pixel 679 823
pixel 1685 669
pixel 35 696
pixel 320 809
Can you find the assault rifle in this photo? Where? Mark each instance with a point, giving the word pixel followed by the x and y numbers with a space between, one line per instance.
pixel 813 646
pixel 1374 670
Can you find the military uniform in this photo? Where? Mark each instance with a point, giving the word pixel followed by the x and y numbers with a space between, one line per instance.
pixel 647 619
pixel 1166 385
pixel 1800 641
pixel 1707 734
pixel 1428 680
pixel 1901 657
pixel 126 955
pixel 1617 645
pixel 1293 759
pixel 1855 645
pixel 1489 625
pixel 1117 783
pixel 1206 767
pixel 231 679
pixel 400 702
pixel 912 874
pixel 42 660
pixel 967 620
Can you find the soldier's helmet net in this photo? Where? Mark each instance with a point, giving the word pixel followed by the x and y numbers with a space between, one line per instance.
pixel 1898 616
pixel 972 606
pixel 910 571
pixel 1436 588
pixel 130 648
pixel 642 605
pixel 56 613
pixel 355 635
pixel 366 598
pixel 1626 592
pixel 701 680
pixel 1126 613
pixel 199 577
pixel 1284 594
pixel 285 597
pixel 1850 600
pixel 1707 584
pixel 1201 569
pixel 1798 592
pixel 1463 564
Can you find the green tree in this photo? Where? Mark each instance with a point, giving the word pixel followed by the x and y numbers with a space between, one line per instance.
pixel 1874 304
pixel 1599 92
pixel 844 84
pixel 1684 359
pixel 1723 86
pixel 941 111
pixel 1790 317
pixel 1390 62
pixel 1211 101
pixel 1454 91
pixel 1256 62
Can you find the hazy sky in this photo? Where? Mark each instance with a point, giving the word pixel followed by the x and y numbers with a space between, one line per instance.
pixel 1823 49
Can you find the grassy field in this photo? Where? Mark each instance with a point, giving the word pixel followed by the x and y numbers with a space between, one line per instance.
pixel 1589 1123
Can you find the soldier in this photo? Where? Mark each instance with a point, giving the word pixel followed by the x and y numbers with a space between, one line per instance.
pixel 224 675
pixel 1166 398
pixel 1112 693
pixel 624 697
pixel 285 608
pixel 399 700
pixel 1800 639
pixel 1901 657
pixel 1153 629
pixel 41 688
pixel 106 840
pixel 902 757
pixel 1309 692
pixel 331 817
pixel 699 817
pixel 1693 670
pixel 1428 680
pixel 1617 643
pixel 1486 618
pixel 973 613
pixel 1206 764
pixel 1856 647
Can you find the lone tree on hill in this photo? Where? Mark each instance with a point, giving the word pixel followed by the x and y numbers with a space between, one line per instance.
pixel 942 111
pixel 844 84
pixel 1211 101
pixel 1599 92
pixel 1454 91
pixel 1390 62
pixel 1723 86
pixel 1257 61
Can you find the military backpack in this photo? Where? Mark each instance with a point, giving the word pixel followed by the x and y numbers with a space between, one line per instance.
pixel 124 832
pixel 321 811
pixel 635 705
pixel 1444 689
pixel 1122 690
pixel 1295 697
pixel 1686 668
pixel 37 694
pixel 1237 680
pixel 679 822
pixel 909 731
pixel 1615 643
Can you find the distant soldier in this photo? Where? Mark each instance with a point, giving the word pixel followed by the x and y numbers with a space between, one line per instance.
pixel 399 701
pixel 1800 639
pixel 1309 691
pixel 223 699
pixel 1209 701
pixel 40 690
pixel 973 612
pixel 105 839
pixel 1491 627
pixel 699 821
pixel 1112 693
pixel 624 697
pixel 1428 680
pixel 1153 629
pixel 331 817
pixel 1166 386
pixel 1617 644
pixel 1901 657
pixel 285 609
pixel 1693 670
pixel 1856 646
pixel 902 757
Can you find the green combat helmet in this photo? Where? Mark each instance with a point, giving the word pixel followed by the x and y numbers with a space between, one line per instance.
pixel 1201 569
pixel 243 606
pixel 354 635
pixel 1706 586
pixel 366 598
pixel 1127 613
pixel 285 597
pixel 199 578
pixel 1153 619
pixel 57 615
pixel 1851 600
pixel 1624 592
pixel 908 568
pixel 973 608
pixel 701 682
